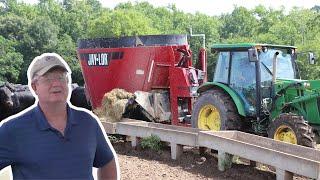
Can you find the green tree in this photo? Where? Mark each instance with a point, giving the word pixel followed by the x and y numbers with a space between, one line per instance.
pixel 161 17
pixel 67 49
pixel 22 10
pixel 167 20
pixel 7 5
pixel 299 18
pixel 267 18
pixel 10 61
pixel 120 23
pixel 13 27
pixel 241 22
pixel 77 15
pixel 40 37
pixel 52 9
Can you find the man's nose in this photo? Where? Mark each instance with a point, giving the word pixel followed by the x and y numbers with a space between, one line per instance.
pixel 57 83
pixel 57 80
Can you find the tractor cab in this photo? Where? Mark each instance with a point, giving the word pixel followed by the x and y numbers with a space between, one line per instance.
pixel 250 71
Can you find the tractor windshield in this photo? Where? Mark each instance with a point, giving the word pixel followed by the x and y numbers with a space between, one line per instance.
pixel 285 68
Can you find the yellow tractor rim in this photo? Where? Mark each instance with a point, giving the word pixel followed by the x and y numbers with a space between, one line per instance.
pixel 209 118
pixel 286 134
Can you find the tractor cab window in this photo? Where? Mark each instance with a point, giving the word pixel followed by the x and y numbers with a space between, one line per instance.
pixel 222 68
pixel 285 69
pixel 243 79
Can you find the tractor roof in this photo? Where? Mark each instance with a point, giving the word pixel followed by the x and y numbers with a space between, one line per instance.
pixel 240 46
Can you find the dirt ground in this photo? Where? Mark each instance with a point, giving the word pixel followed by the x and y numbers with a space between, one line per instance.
pixel 138 163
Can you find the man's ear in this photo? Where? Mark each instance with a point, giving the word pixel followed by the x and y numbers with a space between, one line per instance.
pixel 34 87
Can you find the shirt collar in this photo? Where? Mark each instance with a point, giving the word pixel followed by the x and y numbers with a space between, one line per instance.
pixel 71 115
pixel 43 122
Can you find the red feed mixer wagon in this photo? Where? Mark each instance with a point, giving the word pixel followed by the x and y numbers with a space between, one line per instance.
pixel 156 68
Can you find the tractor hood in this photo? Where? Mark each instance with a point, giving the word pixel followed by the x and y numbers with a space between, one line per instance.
pixel 301 97
pixel 310 85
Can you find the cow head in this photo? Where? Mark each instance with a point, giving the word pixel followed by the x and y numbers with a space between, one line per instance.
pixel 6 97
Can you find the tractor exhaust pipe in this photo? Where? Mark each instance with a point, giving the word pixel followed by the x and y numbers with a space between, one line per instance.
pixel 202 57
pixel 274 67
pixel 199 35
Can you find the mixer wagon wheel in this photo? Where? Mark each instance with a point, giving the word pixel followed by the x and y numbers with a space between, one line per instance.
pixel 215 110
pixel 292 129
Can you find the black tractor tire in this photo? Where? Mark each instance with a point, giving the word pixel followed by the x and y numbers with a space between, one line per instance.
pixel 292 123
pixel 222 102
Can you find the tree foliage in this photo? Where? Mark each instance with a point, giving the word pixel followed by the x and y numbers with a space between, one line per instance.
pixel 27 30
pixel 10 61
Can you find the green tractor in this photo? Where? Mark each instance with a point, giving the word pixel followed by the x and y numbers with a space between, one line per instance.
pixel 257 89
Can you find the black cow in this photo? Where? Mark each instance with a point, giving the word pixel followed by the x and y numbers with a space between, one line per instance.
pixel 16 97
pixel 13 99
pixel 20 87
pixel 6 104
pixel 78 98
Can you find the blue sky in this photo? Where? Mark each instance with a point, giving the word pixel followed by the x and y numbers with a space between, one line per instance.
pixel 215 7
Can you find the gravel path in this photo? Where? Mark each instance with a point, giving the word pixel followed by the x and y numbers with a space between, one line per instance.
pixel 147 164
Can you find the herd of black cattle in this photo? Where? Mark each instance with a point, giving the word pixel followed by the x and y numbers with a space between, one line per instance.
pixel 16 97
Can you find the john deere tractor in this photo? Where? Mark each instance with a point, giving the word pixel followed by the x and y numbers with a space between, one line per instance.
pixel 257 89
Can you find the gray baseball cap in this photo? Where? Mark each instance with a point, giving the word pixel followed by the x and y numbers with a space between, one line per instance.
pixel 43 63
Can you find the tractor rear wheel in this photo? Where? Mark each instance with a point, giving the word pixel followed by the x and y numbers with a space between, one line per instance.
pixel 292 129
pixel 215 110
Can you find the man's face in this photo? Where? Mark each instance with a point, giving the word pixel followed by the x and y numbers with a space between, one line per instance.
pixel 52 87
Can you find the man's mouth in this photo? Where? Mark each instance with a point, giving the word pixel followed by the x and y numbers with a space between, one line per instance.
pixel 56 92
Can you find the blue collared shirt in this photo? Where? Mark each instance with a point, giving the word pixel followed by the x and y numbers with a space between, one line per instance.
pixel 35 150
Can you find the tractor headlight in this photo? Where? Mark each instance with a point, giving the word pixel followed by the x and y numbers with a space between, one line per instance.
pixel 306 85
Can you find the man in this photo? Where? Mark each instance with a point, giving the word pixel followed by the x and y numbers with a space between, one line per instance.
pixel 52 139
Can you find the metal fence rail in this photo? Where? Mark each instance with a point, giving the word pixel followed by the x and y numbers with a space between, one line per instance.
pixel 286 158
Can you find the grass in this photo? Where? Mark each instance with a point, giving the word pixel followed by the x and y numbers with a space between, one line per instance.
pixel 152 142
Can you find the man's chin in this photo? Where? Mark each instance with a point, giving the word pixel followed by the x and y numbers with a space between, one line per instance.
pixel 57 101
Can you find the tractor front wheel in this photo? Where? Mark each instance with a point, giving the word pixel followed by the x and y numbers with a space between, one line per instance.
pixel 215 110
pixel 292 129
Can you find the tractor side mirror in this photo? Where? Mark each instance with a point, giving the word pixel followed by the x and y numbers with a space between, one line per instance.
pixel 311 58
pixel 253 54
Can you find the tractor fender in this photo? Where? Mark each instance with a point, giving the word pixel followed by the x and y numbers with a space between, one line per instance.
pixel 237 101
